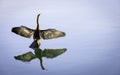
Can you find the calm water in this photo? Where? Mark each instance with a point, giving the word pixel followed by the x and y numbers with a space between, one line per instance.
pixel 92 40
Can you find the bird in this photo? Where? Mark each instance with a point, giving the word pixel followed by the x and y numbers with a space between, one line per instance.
pixel 37 33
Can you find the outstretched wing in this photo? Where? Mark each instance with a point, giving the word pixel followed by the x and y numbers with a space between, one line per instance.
pixel 23 31
pixel 52 53
pixel 26 57
pixel 51 33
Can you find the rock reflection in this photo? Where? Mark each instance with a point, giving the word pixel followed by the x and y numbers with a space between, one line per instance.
pixel 39 54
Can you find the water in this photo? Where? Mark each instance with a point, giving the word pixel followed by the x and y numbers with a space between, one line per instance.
pixel 91 42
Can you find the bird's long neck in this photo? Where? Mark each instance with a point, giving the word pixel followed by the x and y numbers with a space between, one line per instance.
pixel 36 34
pixel 37 28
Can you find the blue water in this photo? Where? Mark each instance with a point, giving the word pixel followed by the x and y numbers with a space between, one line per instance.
pixel 92 37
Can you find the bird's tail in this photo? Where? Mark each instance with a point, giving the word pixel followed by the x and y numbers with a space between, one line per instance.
pixel 35 44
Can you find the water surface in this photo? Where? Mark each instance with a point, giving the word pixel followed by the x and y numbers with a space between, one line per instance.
pixel 91 42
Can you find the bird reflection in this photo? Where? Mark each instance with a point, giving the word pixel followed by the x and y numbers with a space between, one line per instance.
pixel 37 33
pixel 39 54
